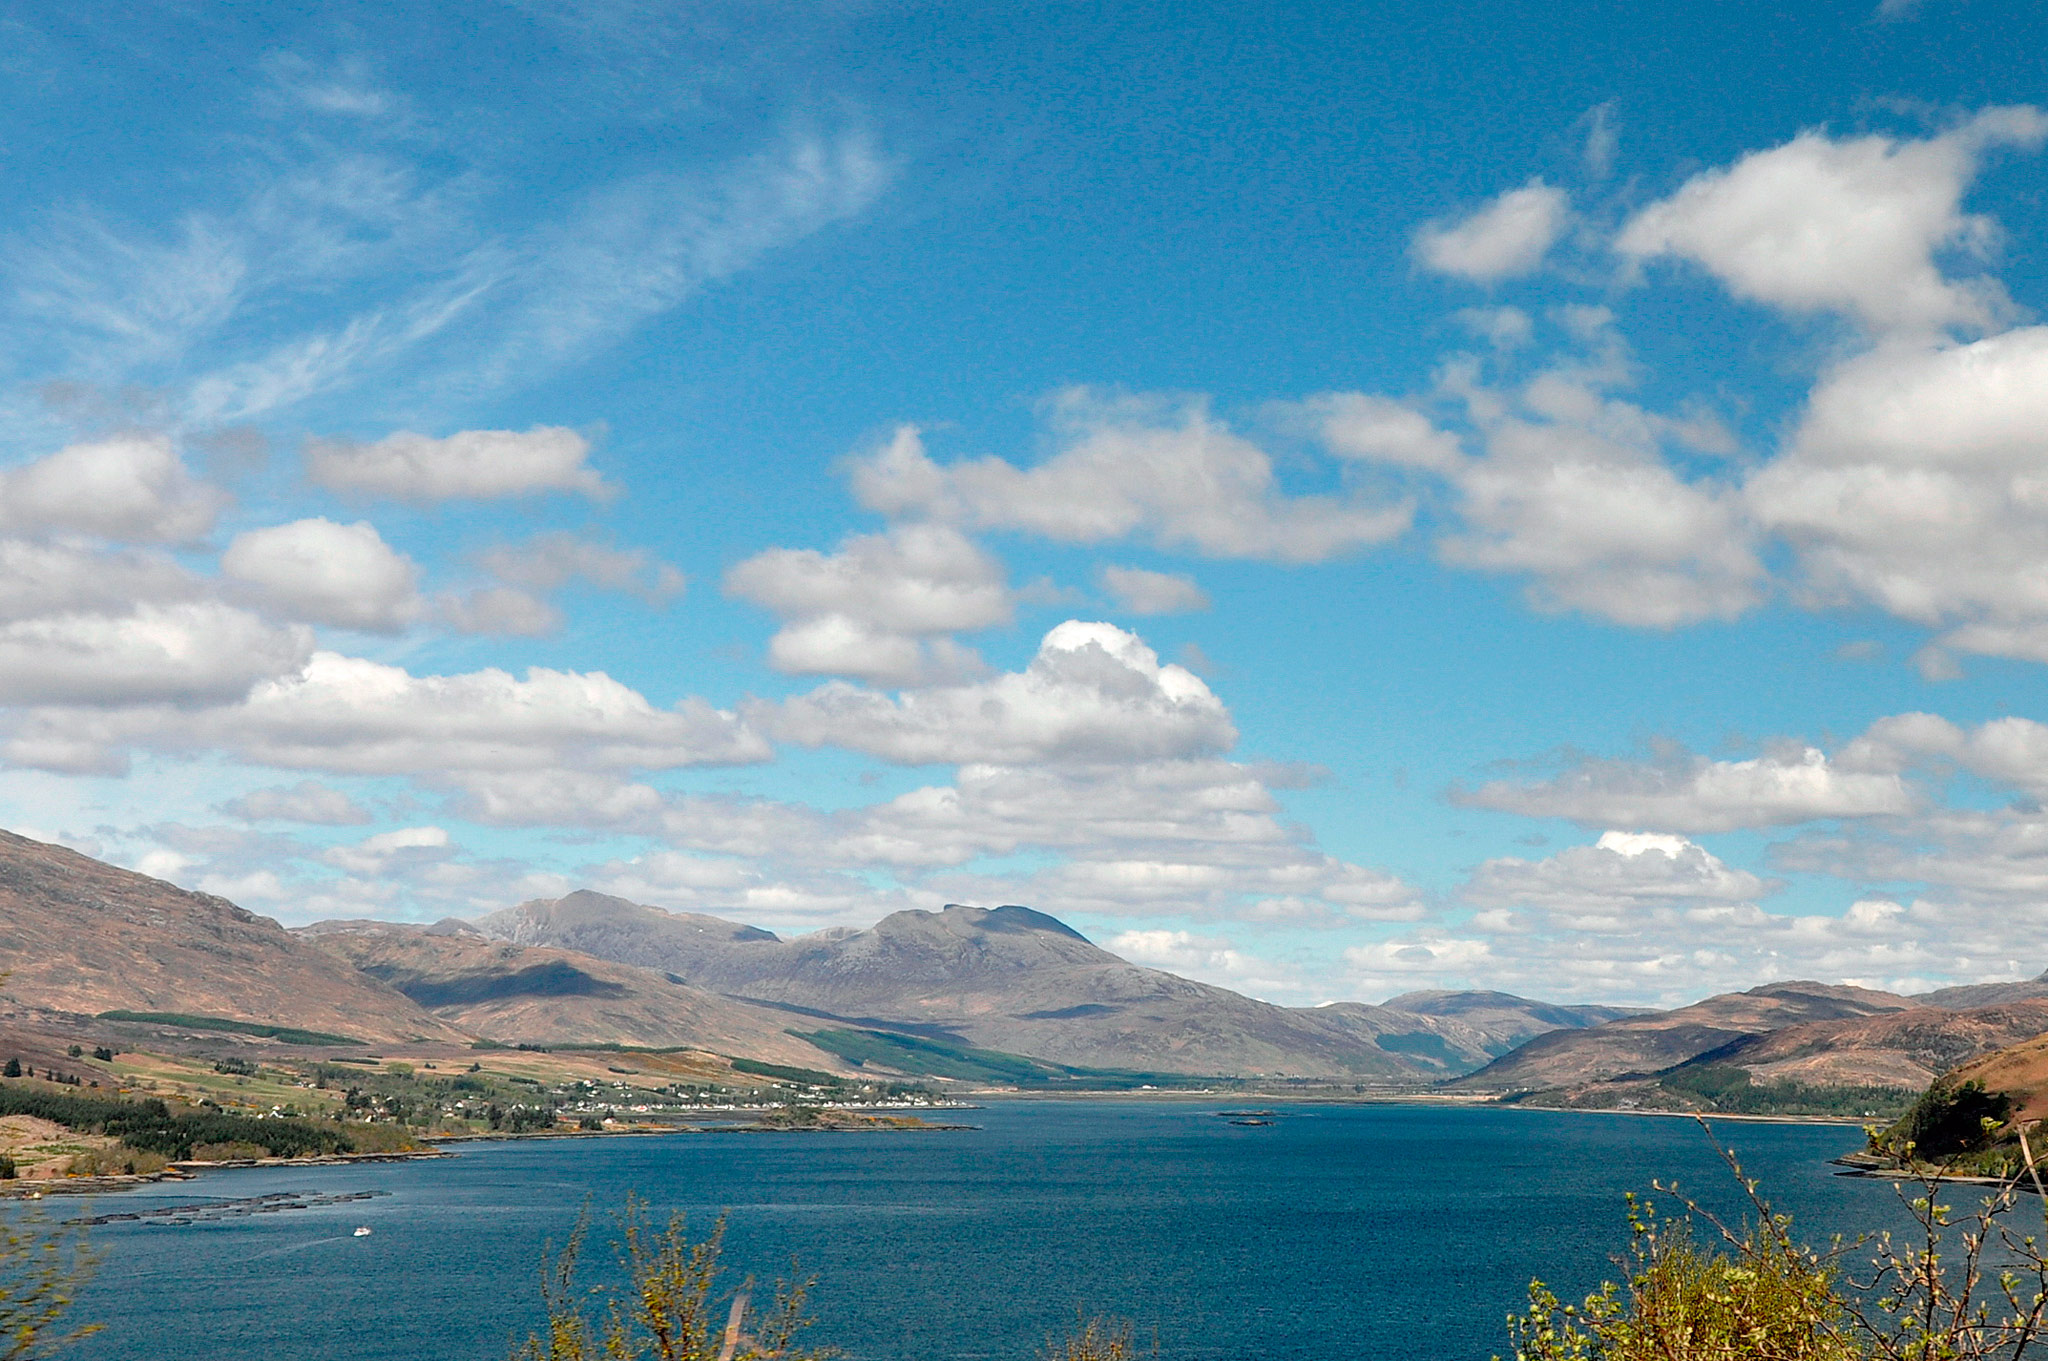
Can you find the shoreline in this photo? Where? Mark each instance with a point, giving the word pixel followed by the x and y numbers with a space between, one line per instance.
pixel 36 1188
pixel 1442 1100
pixel 39 1188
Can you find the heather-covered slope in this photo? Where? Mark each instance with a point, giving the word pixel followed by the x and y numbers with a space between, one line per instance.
pixel 1987 994
pixel 1503 1018
pixel 81 936
pixel 1007 978
pixel 1897 1049
pixel 533 995
pixel 1663 1039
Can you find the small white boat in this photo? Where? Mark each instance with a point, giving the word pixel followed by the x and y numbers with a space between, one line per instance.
pixel 363 1232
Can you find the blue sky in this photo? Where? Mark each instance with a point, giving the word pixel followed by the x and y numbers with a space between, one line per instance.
pixel 1330 500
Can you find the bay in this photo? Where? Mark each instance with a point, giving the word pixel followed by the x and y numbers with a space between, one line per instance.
pixel 1357 1231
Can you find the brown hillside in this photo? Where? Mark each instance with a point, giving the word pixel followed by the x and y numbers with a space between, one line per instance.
pixel 1664 1039
pixel 81 936
pixel 1901 1049
pixel 2020 1071
pixel 534 995
pixel 1018 980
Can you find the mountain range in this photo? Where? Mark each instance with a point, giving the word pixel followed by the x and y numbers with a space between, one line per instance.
pixel 961 992
pixel 81 937
pixel 1816 1034
pixel 1019 981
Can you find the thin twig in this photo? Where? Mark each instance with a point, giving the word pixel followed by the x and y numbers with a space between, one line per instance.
pixel 732 1327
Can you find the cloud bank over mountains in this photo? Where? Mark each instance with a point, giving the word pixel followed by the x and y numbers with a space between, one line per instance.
pixel 300 534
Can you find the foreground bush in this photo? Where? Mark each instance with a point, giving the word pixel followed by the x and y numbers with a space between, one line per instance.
pixel 42 1268
pixel 1094 1340
pixel 1756 1294
pixel 669 1309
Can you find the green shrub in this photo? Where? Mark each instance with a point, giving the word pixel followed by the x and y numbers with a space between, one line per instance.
pixel 42 1268
pixel 151 1126
pixel 1096 1339
pixel 1952 1120
pixel 670 1308
pixel 1768 1298
pixel 1758 1294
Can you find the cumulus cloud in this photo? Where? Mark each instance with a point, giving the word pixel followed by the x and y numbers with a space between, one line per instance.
pixel 1912 483
pixel 560 798
pixel 1190 955
pixel 877 608
pixel 40 579
pixel 349 715
pixel 1508 237
pixel 1093 693
pixel 1146 592
pixel 1572 486
pixel 1657 919
pixel 556 558
pixel 306 801
pixel 1849 225
pixel 2010 751
pixel 185 653
pixel 1575 491
pixel 1683 792
pixel 468 465
pixel 133 488
pixel 362 717
pixel 1356 425
pixel 374 854
pixel 326 573
pixel 1602 883
pixel 1198 838
pixel 1140 468
pixel 505 611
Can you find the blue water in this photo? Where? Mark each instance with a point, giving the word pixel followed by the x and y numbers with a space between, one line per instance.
pixel 1364 1231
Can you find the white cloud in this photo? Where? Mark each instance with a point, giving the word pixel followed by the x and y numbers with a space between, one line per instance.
pixel 1658 919
pixel 873 609
pixel 132 488
pixel 562 798
pixel 1688 793
pixel 1606 881
pixel 552 560
pixel 186 653
pixel 1851 225
pixel 1187 954
pixel 471 464
pixel 836 645
pixel 348 714
pixel 503 610
pixel 1508 237
pixel 633 249
pixel 1093 693
pixel 1574 490
pixel 1603 139
pixel 1355 425
pixel 326 573
pixel 1192 838
pixel 306 801
pixel 374 854
pixel 2010 751
pixel 39 579
pixel 1140 591
pixel 1140 468
pixel 1571 485
pixel 1913 482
